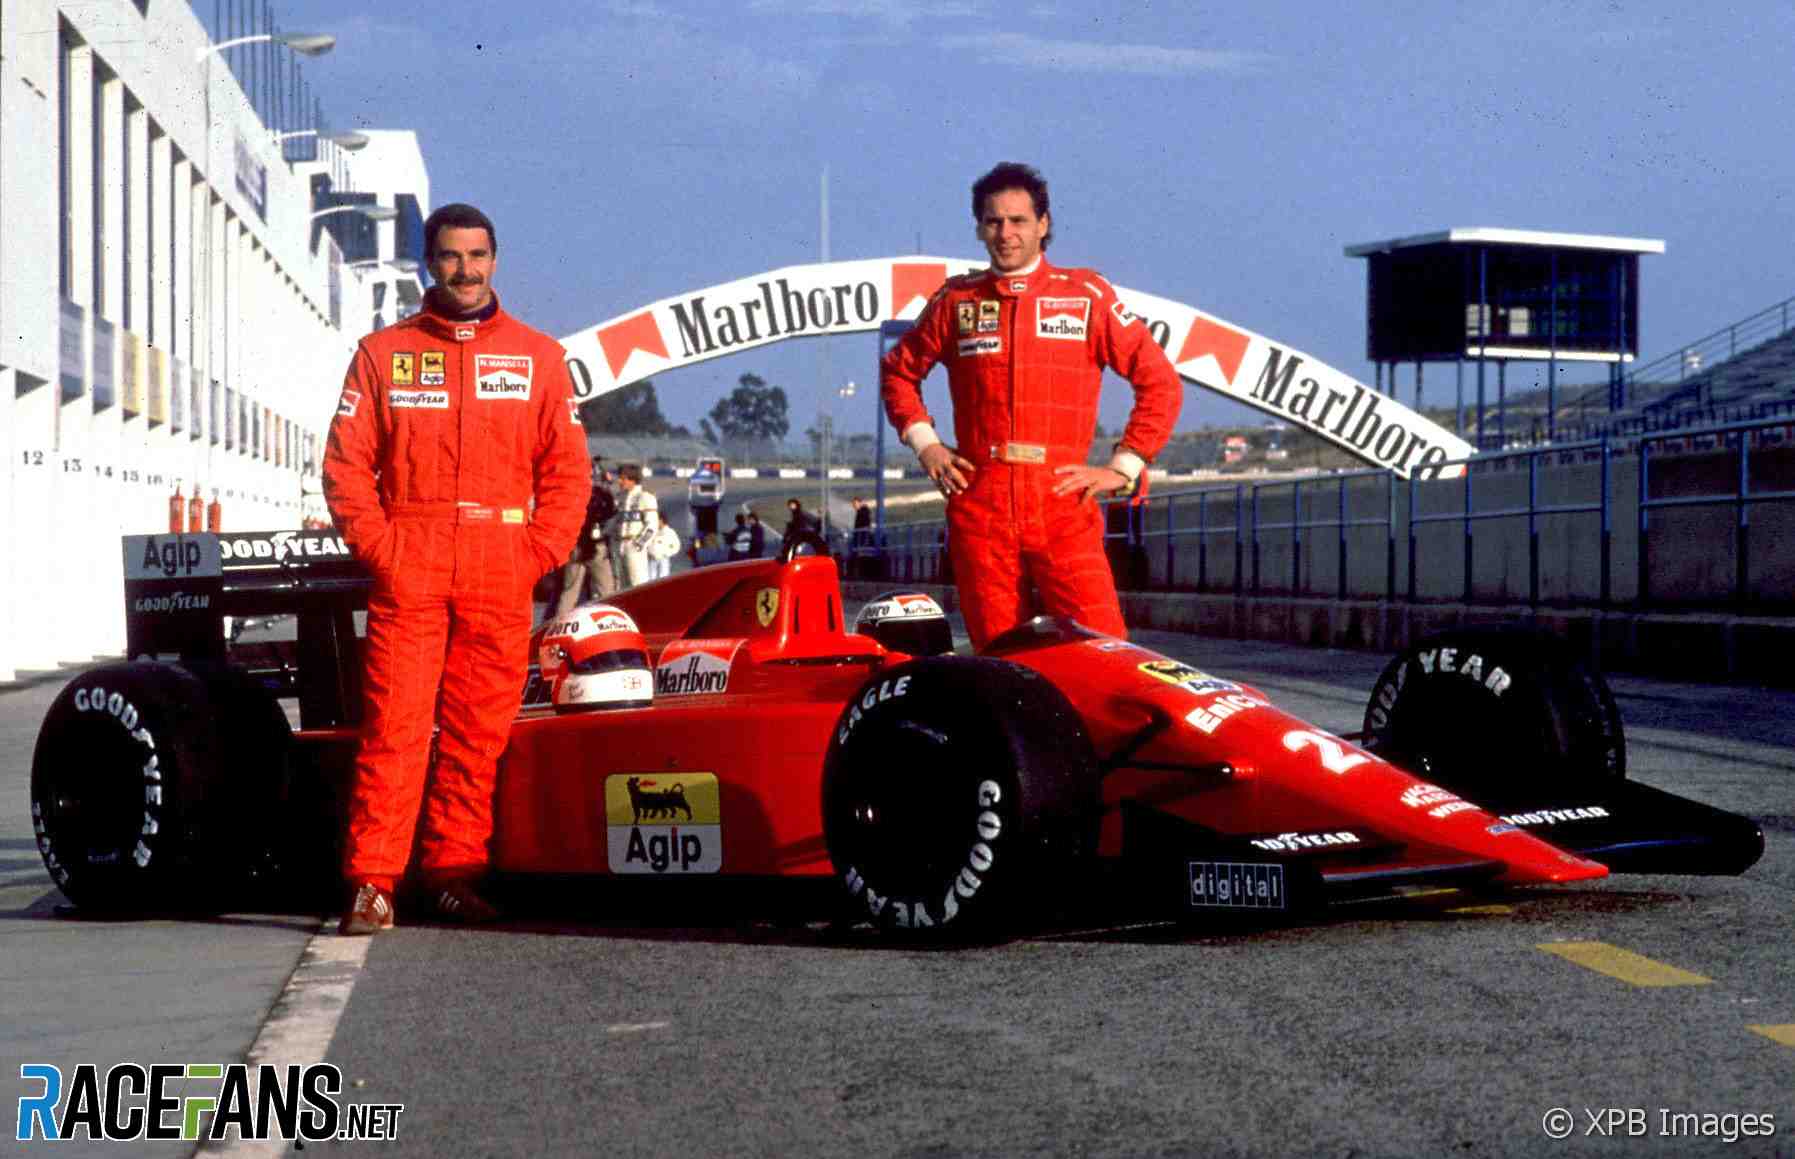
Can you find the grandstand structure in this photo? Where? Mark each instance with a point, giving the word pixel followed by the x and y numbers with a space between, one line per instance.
pixel 1739 373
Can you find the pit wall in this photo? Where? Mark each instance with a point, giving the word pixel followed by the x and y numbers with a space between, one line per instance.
pixel 1707 596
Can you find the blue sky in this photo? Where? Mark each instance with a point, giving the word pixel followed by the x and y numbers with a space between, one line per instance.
pixel 1217 154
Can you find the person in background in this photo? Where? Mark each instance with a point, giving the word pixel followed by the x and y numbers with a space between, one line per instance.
pixel 798 523
pixel 740 539
pixel 757 536
pixel 589 574
pixel 635 526
pixel 858 560
pixel 456 533
pixel 663 545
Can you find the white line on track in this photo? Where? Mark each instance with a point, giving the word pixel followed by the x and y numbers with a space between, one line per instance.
pixel 303 1021
pixel 636 1027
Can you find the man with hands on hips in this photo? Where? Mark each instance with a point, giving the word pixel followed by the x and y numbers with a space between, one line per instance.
pixel 1025 344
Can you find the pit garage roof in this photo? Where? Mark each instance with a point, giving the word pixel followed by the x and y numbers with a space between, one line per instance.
pixel 1487 235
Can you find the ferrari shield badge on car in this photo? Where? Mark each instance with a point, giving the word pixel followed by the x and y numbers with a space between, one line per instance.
pixel 663 823
pixel 766 606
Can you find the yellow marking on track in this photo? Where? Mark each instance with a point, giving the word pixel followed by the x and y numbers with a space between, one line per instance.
pixel 1484 910
pixel 1782 1034
pixel 1633 969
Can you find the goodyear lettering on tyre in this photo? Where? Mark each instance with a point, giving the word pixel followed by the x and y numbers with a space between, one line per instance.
pixel 663 824
pixel 912 913
pixel 114 709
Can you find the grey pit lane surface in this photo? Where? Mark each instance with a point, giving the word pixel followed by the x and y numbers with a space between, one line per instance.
pixel 1427 1027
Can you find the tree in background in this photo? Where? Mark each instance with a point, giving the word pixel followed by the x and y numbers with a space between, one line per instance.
pixel 753 412
pixel 633 410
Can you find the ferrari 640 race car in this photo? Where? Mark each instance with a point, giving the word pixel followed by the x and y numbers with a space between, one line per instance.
pixel 951 793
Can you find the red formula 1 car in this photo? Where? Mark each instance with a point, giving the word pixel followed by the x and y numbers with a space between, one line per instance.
pixel 939 791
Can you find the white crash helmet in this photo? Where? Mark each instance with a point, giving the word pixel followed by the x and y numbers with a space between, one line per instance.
pixel 595 657
pixel 906 622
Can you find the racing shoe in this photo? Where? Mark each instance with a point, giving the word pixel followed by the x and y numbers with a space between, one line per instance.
pixel 370 911
pixel 457 901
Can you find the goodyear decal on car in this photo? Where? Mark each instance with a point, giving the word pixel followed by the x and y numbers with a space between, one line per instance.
pixel 1236 885
pixel 695 667
pixel 663 823
pixel 1186 677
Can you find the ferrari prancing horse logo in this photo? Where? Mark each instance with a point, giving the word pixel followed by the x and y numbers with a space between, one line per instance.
pixel 766 605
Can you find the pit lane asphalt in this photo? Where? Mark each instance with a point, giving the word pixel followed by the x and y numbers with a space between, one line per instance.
pixel 1429 1027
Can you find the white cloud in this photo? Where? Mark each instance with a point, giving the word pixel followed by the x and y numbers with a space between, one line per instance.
pixel 1025 51
pixel 900 13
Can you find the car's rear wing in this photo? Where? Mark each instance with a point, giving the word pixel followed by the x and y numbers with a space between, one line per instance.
pixel 179 589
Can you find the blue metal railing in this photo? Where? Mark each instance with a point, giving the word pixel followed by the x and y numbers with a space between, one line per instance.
pixel 1250 518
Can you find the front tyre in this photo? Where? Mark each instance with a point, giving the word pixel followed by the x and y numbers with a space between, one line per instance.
pixel 1492 711
pixel 960 797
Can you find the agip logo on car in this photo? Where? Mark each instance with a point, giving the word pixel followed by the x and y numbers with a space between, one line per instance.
pixel 695 667
pixel 663 823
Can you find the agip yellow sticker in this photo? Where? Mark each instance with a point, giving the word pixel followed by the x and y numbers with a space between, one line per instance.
pixel 666 824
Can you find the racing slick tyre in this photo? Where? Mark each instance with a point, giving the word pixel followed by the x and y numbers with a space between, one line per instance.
pixel 960 795
pixel 130 802
pixel 1487 711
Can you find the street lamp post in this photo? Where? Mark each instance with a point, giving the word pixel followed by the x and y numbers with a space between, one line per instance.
pixel 828 438
pixel 349 141
pixel 401 265
pixel 371 211
pixel 306 44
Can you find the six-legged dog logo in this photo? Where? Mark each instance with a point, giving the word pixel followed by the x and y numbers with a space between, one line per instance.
pixel 651 803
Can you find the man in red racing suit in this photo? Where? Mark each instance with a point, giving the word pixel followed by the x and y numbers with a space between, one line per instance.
pixel 1025 344
pixel 456 470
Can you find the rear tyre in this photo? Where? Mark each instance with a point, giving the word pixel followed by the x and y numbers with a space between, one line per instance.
pixel 960 798
pixel 136 800
pixel 1489 711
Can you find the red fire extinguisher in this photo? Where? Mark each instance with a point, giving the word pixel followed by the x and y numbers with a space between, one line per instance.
pixel 214 514
pixel 177 511
pixel 196 511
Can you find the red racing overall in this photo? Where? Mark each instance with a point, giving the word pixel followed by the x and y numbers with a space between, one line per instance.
pixel 1025 355
pixel 446 433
